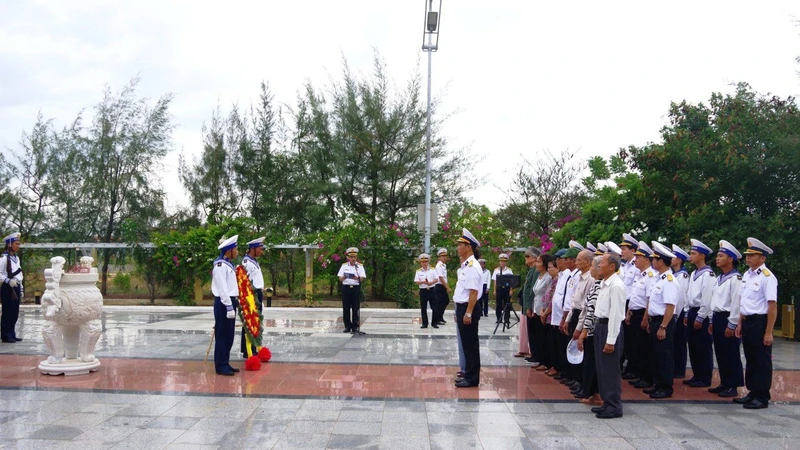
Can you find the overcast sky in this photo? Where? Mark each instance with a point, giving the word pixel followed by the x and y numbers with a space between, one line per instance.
pixel 518 76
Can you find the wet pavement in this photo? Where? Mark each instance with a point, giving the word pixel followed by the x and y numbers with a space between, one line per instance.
pixel 391 388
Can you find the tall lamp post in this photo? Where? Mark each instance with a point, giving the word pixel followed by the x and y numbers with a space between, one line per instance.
pixel 430 44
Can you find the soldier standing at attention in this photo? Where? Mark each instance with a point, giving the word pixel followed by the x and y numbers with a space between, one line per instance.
pixel 758 311
pixel 425 278
pixel 255 249
pixel 661 313
pixel 226 296
pixel 698 305
pixel 351 274
pixel 682 277
pixel 11 288
pixel 442 289
pixel 470 281
pixel 725 310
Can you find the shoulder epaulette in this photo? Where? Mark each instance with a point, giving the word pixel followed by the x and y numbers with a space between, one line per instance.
pixel 219 264
pixel 469 263
pixel 738 277
pixel 712 274
pixel 649 274
pixel 766 272
pixel 685 275
pixel 669 277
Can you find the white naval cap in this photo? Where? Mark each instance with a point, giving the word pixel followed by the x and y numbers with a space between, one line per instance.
pixel 226 244
pixel 482 261
pixel 591 247
pixel 756 247
pixel 259 242
pixel 700 247
pixel 661 251
pixel 601 249
pixel 613 248
pixel 424 257
pixel 629 241
pixel 441 251
pixel 12 238
pixel 728 249
pixel 679 252
pixel 468 238
pixel 351 251
pixel 503 257
pixel 575 244
pixel 644 250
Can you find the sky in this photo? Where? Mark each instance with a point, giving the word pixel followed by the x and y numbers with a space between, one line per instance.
pixel 515 78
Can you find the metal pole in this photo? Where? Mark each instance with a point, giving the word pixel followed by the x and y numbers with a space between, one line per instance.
pixel 428 164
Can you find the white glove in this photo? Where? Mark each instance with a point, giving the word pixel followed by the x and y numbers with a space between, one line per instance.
pixel 231 314
pixel 13 282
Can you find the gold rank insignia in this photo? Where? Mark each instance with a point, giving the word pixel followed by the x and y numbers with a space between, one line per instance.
pixel 649 274
pixel 469 263
pixel 669 277
pixel 766 272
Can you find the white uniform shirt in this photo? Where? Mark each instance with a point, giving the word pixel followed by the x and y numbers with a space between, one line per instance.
pixel 727 295
pixel 611 305
pixel 487 279
pixel 629 272
pixel 253 272
pixel 5 259
pixel 428 276
pixel 758 288
pixel 665 292
pixel 642 287
pixel 441 271
pixel 682 277
pixel 558 297
pixel 223 281
pixel 352 273
pixel 700 290
pixel 470 277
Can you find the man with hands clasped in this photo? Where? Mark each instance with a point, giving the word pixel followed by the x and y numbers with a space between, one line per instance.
pixel 226 296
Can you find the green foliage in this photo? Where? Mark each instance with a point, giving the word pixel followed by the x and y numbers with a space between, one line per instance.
pixel 122 282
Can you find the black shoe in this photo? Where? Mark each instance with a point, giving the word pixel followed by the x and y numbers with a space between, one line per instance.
pixel 359 332
pixel 599 409
pixel 743 400
pixel 226 373
pixel 689 381
pixel 233 369
pixel 18 339
pixel 730 392
pixel 756 404
pixel 460 374
pixel 661 394
pixel 558 377
pixel 435 326
pixel 608 415
pixel 580 395
pixel 531 360
pixel 629 376
pixel 425 326
pixel 679 375
pixel 649 390
pixel 699 384
pixel 442 322
pixel 346 330
pixel 572 384
pixel 465 384
pixel 641 384
pixel 716 390
pixel 497 321
pixel 634 381
pixel 10 341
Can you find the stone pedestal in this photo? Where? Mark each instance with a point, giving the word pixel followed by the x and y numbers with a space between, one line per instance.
pixel 72 306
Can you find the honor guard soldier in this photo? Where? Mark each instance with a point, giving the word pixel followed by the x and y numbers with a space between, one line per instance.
pixel 468 286
pixel 681 333
pixel 725 318
pixel 758 310
pixel 487 282
pixel 698 316
pixel 351 274
pixel 628 271
pixel 442 289
pixel 638 344
pixel 255 249
pixel 425 278
pixel 661 312
pixel 226 297
pixel 502 294
pixel 11 290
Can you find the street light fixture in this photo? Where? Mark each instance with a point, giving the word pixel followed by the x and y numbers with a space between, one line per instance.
pixel 430 44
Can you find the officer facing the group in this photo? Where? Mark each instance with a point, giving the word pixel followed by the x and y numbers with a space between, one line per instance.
pixel 425 278
pixel 758 311
pixel 11 288
pixel 725 310
pixel 502 293
pixel 226 296
pixel 661 311
pixel 255 249
pixel 698 302
pixel 351 274
pixel 468 287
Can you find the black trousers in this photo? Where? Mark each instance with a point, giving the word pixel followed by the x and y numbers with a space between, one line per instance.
pixel 501 300
pixel 681 334
pixel 351 305
pixel 10 315
pixel 700 353
pixel 662 361
pixel 224 330
pixel 575 370
pixel 537 339
pixel 758 369
pixel 442 300
pixel 589 367
pixel 469 342
pixel 558 349
pixel 427 296
pixel 485 300
pixel 609 377
pixel 259 301
pixel 637 346
pixel 729 359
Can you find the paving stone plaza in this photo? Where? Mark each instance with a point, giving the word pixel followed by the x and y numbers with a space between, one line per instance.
pixel 390 388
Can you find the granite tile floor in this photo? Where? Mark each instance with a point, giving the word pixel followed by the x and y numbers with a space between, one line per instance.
pixel 391 388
